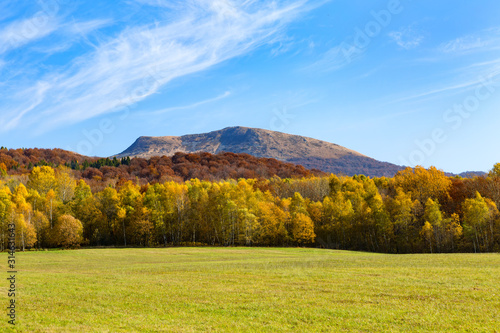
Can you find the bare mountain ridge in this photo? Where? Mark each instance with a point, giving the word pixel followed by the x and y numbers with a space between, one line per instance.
pixel 309 152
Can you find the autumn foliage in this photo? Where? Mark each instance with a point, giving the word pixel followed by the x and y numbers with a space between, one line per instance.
pixel 418 210
pixel 100 172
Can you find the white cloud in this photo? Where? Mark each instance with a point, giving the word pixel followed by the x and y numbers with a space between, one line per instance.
pixel 191 106
pixel 19 33
pixel 470 78
pixel 406 38
pixel 71 33
pixel 138 62
pixel 86 27
pixel 484 41
pixel 161 3
pixel 336 58
pixel 37 93
pixel 462 44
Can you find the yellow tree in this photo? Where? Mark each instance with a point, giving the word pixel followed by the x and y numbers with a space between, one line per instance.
pixel 65 184
pixel 433 216
pixel 156 210
pixel 23 213
pixel 400 210
pixel 303 229
pixel 42 226
pixel 198 211
pixel 68 232
pixel 427 233
pixel 84 207
pixel 272 220
pixel 37 202
pixel 452 231
pixel 82 191
pixel 379 224
pixel 337 216
pixel 476 215
pixel 6 213
pixel 495 172
pixel 109 205
pixel 42 179
pixel 424 183
pixel 175 199
pixel 3 170
pixel 131 210
pixel 493 227
pixel 246 198
pixel 315 211
pixel 298 206
pixel 250 227
pixel 50 205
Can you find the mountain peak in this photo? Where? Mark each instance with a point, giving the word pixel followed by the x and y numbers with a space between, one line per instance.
pixel 309 152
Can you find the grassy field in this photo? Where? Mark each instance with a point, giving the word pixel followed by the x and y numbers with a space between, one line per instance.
pixel 253 290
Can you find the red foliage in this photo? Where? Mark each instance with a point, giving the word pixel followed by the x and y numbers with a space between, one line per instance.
pixel 179 167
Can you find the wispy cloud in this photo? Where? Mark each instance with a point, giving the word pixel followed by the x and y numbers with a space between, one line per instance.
pixel 336 58
pixel 465 79
pixel 37 94
pixel 407 38
pixel 482 63
pixel 141 59
pixel 21 32
pixel 70 34
pixel 453 88
pixel 486 40
pixel 463 44
pixel 85 27
pixel 191 106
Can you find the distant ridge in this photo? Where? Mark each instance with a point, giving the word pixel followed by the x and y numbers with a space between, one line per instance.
pixel 308 152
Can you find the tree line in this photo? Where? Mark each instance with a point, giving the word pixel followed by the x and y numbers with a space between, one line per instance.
pixel 418 210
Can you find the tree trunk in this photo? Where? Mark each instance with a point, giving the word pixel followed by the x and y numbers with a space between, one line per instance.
pixel 124 234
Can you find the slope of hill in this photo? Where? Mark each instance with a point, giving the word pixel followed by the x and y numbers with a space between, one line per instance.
pixel 308 152
pixel 18 158
pixel 180 167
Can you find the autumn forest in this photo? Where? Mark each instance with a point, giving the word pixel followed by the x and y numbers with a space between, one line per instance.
pixel 60 199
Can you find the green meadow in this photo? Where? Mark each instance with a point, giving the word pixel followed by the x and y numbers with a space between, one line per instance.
pixel 252 290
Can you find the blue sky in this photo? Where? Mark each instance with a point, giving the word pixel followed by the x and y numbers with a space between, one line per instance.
pixel 408 82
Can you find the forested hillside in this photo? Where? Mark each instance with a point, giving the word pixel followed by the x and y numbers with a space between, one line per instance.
pixel 418 210
pixel 101 172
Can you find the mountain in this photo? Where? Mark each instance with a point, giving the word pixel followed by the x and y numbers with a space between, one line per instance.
pixel 472 174
pixel 308 152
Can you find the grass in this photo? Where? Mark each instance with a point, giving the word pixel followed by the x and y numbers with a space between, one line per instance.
pixel 253 290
